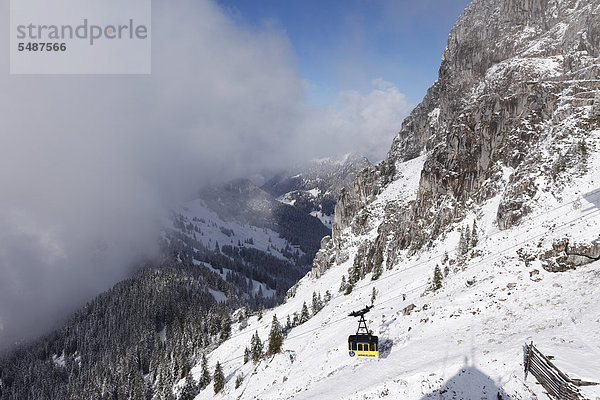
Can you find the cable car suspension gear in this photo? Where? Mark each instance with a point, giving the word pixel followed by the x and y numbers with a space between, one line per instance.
pixel 363 344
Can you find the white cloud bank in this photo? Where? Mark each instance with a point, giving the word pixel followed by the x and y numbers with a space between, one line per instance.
pixel 89 163
pixel 364 123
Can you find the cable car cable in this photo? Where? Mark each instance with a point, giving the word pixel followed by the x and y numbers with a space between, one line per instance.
pixel 491 256
pixel 431 258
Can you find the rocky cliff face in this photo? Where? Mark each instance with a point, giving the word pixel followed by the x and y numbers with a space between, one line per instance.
pixel 507 117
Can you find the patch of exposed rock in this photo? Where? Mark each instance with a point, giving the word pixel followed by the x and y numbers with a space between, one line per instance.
pixel 566 255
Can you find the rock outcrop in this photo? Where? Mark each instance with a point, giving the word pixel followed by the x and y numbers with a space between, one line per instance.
pixel 507 117
pixel 566 255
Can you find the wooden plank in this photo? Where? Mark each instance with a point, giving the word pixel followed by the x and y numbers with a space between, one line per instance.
pixel 541 364
pixel 579 382
pixel 529 351
pixel 549 384
pixel 567 392
pixel 541 371
pixel 539 368
pixel 551 374
pixel 565 377
pixel 556 383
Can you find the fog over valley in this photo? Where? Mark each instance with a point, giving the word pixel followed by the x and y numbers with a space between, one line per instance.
pixel 89 165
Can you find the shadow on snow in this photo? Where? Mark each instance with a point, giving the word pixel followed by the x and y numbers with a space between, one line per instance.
pixel 593 198
pixel 385 348
pixel 469 383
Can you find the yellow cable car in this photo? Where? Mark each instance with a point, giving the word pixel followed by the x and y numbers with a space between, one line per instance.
pixel 363 344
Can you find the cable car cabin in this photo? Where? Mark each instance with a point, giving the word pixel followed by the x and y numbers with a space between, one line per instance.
pixel 363 346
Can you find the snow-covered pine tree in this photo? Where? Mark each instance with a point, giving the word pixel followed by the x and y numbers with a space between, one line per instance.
pixel 256 347
pixel 213 324
pixel 316 303
pixel 246 355
pixel 353 277
pixel 238 380
pixel 464 243
pixel 205 375
pixel 226 326
pixel 344 284
pixel 165 392
pixel 377 271
pixel 219 382
pixel 243 316
pixel 583 151
pixel 461 244
pixel 260 295
pixel 304 315
pixel 190 389
pixel 373 296
pixel 474 235
pixel 377 265
pixel 164 386
pixel 260 307
pixel 437 279
pixel 137 389
pixel 275 337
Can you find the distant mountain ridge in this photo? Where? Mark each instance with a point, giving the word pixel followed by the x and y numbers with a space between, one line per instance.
pixel 315 187
pixel 263 237
pixel 257 243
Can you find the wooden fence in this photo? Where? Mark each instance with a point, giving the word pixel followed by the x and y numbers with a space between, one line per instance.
pixel 557 384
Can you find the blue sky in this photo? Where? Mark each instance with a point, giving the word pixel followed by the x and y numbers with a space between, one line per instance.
pixel 345 44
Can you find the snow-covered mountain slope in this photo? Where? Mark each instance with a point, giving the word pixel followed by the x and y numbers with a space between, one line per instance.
pixel 463 341
pixel 212 230
pixel 315 187
pixel 254 241
pixel 115 347
pixel 505 147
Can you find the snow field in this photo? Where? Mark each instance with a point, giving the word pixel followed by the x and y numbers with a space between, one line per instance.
pixel 464 341
pixel 214 230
